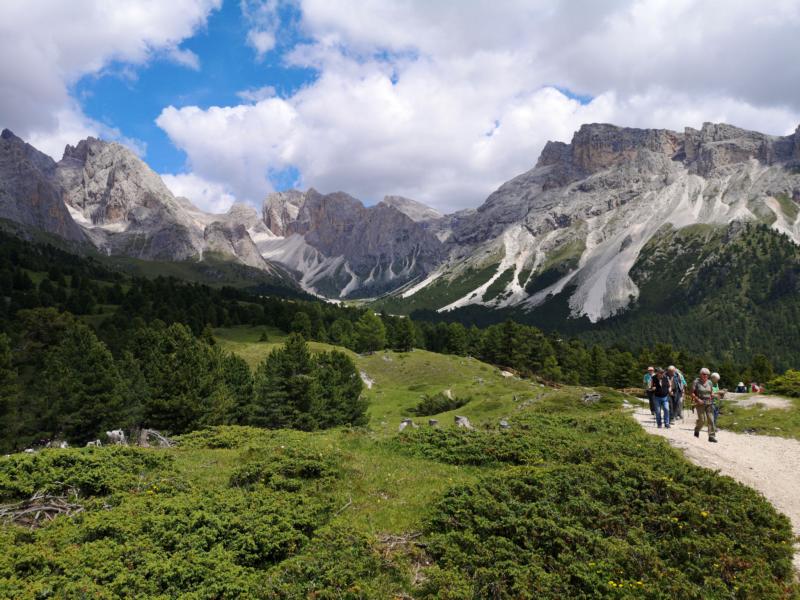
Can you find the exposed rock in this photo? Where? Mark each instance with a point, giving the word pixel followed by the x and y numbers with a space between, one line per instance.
pixel 433 422
pixel 504 424
pixel 405 423
pixel 591 398
pixel 123 204
pixel 463 422
pixel 280 209
pixel 344 249
pixel 232 241
pixel 28 194
pixel 416 211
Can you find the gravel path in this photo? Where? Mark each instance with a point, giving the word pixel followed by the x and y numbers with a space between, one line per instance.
pixel 769 464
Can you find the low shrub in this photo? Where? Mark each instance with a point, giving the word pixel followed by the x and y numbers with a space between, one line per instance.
pixel 433 404
pixel 285 468
pixel 89 471
pixel 787 384
pixel 620 528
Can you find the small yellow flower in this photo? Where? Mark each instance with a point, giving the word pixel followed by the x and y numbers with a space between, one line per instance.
pixel 703 514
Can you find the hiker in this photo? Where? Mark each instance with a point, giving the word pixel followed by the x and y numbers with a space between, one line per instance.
pixel 702 399
pixel 741 388
pixel 678 386
pixel 661 385
pixel 648 380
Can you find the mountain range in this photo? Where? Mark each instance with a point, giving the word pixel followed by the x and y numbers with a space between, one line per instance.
pixel 579 227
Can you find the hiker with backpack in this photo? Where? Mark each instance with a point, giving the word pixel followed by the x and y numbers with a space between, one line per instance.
pixel 678 387
pixel 702 400
pixel 661 385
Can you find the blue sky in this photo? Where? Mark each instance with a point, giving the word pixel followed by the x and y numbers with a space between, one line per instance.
pixel 439 101
pixel 131 100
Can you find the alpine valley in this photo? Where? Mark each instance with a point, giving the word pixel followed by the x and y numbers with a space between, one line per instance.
pixel 602 237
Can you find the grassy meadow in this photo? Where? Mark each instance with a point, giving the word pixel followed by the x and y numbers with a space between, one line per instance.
pixel 574 500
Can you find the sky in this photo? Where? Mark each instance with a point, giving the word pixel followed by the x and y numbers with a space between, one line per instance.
pixel 439 101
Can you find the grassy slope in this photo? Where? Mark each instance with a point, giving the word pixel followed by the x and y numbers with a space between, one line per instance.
pixel 381 492
pixel 761 419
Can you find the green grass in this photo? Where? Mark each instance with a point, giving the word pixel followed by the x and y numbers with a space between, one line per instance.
pixel 762 420
pixel 788 206
pixel 298 536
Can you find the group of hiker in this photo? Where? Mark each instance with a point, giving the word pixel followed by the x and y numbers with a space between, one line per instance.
pixel 666 390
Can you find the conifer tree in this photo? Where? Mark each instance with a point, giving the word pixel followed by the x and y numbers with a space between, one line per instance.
pixel 370 333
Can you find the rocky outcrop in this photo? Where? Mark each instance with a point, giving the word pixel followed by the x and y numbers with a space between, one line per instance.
pixel 232 241
pixel 28 194
pixel 345 249
pixel 124 205
pixel 416 211
pixel 280 209
pixel 600 146
pixel 718 145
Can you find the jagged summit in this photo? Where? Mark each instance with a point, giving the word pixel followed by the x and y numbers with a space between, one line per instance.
pixel 572 228
pixel 599 146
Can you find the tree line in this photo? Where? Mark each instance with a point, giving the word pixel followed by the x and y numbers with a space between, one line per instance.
pixel 83 347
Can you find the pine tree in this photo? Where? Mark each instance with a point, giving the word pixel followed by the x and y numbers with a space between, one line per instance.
pixel 370 333
pixel 8 393
pixel 301 324
pixel 239 381
pixel 339 401
pixel 83 386
pixel 285 388
pixel 404 335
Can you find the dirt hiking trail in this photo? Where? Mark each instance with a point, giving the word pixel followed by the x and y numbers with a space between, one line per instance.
pixel 768 464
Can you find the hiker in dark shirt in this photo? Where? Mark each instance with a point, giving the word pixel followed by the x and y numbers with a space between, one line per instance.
pixel 661 385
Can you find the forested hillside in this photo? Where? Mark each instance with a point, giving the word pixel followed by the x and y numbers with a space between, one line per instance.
pixel 742 299
pixel 85 348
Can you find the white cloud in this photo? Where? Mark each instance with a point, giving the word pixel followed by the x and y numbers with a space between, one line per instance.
pixel 47 45
pixel 264 21
pixel 261 41
pixel 209 196
pixel 185 58
pixel 257 94
pixel 412 98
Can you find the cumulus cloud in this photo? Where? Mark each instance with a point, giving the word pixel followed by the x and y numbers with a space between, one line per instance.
pixel 207 195
pixel 413 98
pixel 48 45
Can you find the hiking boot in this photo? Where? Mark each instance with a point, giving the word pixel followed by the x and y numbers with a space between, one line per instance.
pixel 697 434
pixel 667 426
pixel 712 440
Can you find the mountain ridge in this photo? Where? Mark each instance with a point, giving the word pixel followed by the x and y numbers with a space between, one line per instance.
pixel 577 221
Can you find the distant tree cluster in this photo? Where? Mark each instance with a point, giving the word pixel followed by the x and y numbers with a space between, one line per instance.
pixel 63 381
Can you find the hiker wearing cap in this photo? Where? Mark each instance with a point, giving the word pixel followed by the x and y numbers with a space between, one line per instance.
pixel 661 385
pixel 678 387
pixel 741 388
pixel 716 397
pixel 702 399
pixel 648 380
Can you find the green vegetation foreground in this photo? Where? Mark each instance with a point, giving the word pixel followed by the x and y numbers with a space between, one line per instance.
pixel 573 501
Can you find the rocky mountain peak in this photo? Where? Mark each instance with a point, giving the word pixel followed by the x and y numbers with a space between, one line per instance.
pixel 598 146
pixel 280 208
pixel 416 211
pixel 27 192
